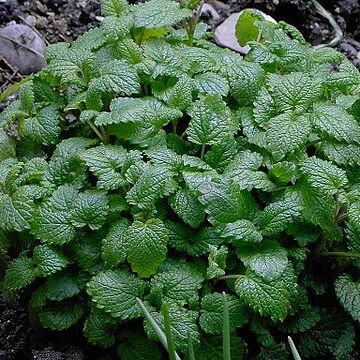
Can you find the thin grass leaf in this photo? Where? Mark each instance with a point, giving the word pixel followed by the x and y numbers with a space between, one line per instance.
pixel 294 351
pixel 190 348
pixel 169 338
pixel 155 326
pixel 226 330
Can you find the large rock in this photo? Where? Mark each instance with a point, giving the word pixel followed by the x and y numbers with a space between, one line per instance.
pixel 28 58
pixel 225 32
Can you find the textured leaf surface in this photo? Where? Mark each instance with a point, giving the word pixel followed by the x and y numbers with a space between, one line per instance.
pixel 242 230
pixel 146 246
pixel 20 273
pixel 211 319
pixel 115 292
pixel 49 259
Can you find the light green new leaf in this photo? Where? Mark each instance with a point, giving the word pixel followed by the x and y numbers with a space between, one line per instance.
pixel 115 27
pixel 113 7
pixel 146 246
pixel 159 13
pixel 348 293
pixel 211 318
pixel 245 30
pixel 211 120
pixel 115 292
pixel 217 261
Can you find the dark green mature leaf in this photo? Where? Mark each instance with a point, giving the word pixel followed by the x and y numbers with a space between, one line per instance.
pixel 49 260
pixel 211 319
pixel 182 322
pixel 348 293
pixel 268 298
pixel 217 261
pixel 115 291
pixel 146 246
pixel 20 273
pixel 241 231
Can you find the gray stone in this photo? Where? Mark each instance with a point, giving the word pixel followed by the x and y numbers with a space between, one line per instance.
pixel 26 52
pixel 209 10
pixel 225 33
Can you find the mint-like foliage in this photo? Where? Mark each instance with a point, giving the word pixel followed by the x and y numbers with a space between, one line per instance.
pixel 149 163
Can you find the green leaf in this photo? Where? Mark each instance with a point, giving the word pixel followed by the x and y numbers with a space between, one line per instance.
pixel 211 120
pixel 113 246
pixel 153 184
pixel 90 208
pixel 49 260
pixel 61 286
pixel 286 132
pixel 20 273
pixel 98 328
pixel 245 29
pixel 17 211
pixel 159 13
pixel 53 222
pixel 348 293
pixel 342 153
pixel 334 121
pixel 186 205
pixel 115 292
pixel 211 318
pixel 136 346
pixel 115 27
pixel 323 175
pixel 44 127
pixel 268 298
pixel 226 203
pixel 105 162
pixel 222 153
pixel 182 322
pixel 7 146
pixel 277 215
pixel 267 260
pixel 243 170
pixel 217 261
pixel 179 286
pixel 241 231
pixel 211 83
pixel 133 110
pixel 146 246
pixel 61 316
pixel 293 91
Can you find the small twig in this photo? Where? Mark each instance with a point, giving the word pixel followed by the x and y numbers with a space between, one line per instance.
pixel 202 151
pixel 33 28
pixel 22 45
pixel 96 131
pixel 226 277
pixel 338 32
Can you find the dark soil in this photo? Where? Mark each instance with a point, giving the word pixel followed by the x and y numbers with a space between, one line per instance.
pixel 65 20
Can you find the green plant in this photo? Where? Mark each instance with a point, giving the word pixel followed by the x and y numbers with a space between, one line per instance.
pixel 146 162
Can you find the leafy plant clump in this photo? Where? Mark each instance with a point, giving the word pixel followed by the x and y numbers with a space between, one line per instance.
pixel 145 162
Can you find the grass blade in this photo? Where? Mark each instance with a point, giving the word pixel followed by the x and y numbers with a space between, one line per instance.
pixel 226 330
pixel 190 347
pixel 155 326
pixel 294 351
pixel 169 339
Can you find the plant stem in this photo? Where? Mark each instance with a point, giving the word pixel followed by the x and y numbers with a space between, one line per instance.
pixel 226 277
pixel 96 131
pixel 341 253
pixel 174 124
pixel 294 351
pixel 202 151
pixel 226 330
pixel 190 347
pixel 104 135
pixel 169 339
